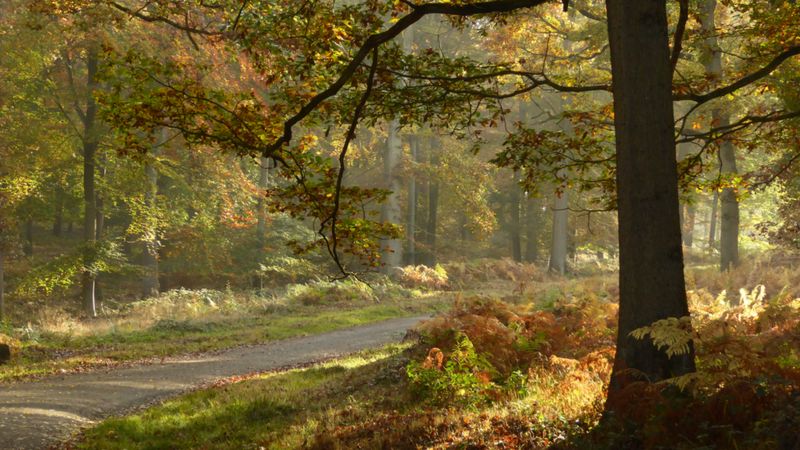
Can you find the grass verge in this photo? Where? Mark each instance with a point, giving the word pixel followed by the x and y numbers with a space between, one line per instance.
pixel 166 327
pixel 271 411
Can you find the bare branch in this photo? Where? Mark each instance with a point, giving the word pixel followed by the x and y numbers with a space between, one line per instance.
pixel 680 28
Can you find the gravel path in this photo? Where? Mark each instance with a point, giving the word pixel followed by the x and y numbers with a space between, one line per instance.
pixel 41 414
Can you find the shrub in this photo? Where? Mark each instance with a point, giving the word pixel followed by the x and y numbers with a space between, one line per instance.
pixel 422 276
pixel 285 269
pixel 483 270
pixel 463 377
pixel 746 391
pixel 331 293
pixel 511 347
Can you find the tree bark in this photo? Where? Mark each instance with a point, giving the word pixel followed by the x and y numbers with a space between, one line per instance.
pixel 651 277
pixel 100 221
pixel 559 239
pixel 392 249
pixel 514 223
pixel 729 203
pixel 90 144
pixel 411 222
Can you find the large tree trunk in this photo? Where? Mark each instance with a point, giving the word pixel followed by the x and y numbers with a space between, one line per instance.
pixel 559 239
pixel 651 260
pixel 390 210
pixel 532 228
pixel 514 224
pixel 433 204
pixel 150 284
pixel 90 144
pixel 411 222
pixel 729 203
pixel 100 221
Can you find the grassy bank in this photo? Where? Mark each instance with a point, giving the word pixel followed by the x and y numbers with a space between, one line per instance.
pixel 185 322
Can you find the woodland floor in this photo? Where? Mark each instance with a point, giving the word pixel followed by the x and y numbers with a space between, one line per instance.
pixel 35 415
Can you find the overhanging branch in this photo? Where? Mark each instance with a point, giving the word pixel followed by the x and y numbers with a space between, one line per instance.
pixel 744 81
pixel 376 40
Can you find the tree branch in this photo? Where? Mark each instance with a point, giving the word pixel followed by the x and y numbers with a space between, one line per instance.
pixel 744 81
pixel 351 132
pixel 376 40
pixel 165 20
pixel 680 28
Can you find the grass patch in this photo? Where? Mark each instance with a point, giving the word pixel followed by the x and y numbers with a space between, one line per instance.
pixel 274 411
pixel 361 401
pixel 198 321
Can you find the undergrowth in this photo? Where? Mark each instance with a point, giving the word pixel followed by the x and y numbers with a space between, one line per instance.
pixel 531 372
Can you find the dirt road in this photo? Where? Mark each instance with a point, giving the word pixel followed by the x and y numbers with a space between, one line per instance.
pixel 41 414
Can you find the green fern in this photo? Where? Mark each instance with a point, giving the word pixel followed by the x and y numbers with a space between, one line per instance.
pixel 671 334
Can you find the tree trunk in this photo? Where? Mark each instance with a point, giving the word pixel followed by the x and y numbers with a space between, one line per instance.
pixel 58 219
pixel 712 221
pixel 411 223
pixel 433 204
pixel 729 204
pixel 651 278
pixel 558 243
pixel 729 210
pixel 150 284
pixel 514 223
pixel 100 220
pixel 689 217
pixel 392 249
pixel 90 144
pixel 532 226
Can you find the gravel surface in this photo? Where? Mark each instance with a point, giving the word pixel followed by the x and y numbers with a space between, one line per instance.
pixel 41 414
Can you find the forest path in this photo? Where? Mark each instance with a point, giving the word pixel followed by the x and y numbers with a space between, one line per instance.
pixel 38 415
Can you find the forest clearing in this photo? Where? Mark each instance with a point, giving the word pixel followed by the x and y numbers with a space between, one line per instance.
pixel 399 224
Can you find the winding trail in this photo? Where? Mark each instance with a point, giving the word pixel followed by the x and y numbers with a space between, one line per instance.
pixel 41 414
